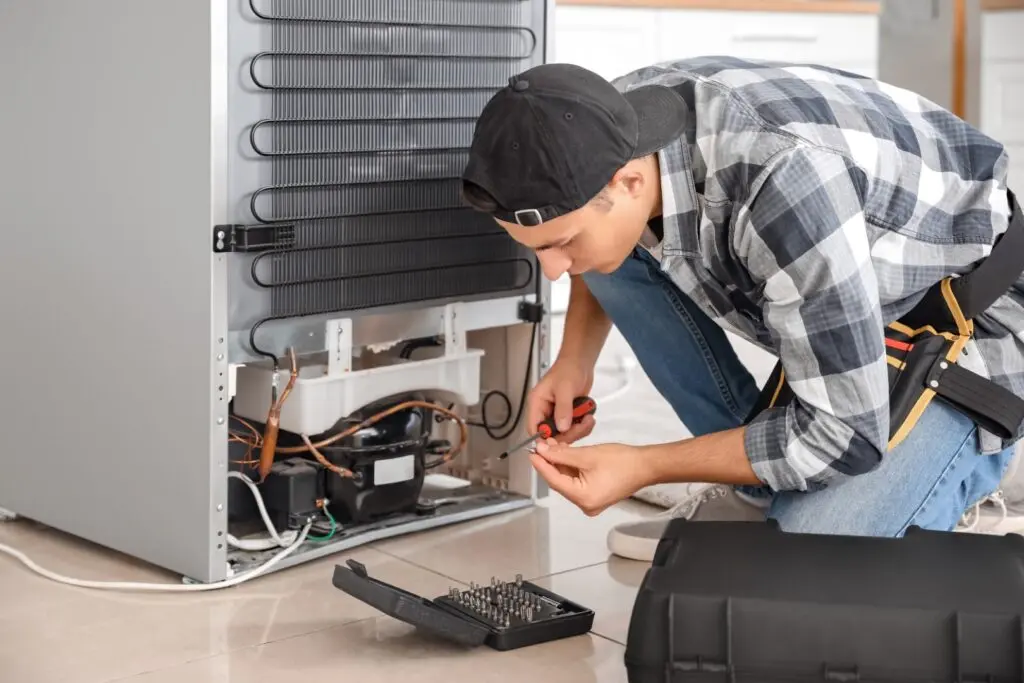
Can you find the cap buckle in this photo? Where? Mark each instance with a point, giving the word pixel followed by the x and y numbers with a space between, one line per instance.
pixel 528 217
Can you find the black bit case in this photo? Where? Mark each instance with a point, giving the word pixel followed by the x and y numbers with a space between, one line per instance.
pixel 556 619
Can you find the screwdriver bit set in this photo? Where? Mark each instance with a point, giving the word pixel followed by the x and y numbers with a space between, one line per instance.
pixel 504 605
pixel 504 615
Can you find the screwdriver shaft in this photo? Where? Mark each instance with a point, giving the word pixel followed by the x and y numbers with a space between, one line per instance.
pixel 519 446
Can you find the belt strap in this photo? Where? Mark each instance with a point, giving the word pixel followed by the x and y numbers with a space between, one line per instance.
pixel 990 406
pixel 980 288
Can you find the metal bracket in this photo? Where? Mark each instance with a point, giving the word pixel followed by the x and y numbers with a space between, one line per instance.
pixel 339 346
pixel 252 238
pixel 454 334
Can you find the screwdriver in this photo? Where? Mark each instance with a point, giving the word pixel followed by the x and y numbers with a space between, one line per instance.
pixel 581 407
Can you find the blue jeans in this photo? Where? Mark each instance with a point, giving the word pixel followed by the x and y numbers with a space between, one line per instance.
pixel 928 481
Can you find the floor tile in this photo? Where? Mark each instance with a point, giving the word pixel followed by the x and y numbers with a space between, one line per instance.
pixel 98 635
pixel 554 536
pixel 382 649
pixel 608 589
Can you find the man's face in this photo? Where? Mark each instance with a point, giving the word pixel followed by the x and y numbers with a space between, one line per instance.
pixel 597 237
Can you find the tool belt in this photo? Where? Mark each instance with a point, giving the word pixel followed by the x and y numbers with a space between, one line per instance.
pixel 923 347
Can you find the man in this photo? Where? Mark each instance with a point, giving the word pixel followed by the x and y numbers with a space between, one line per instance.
pixel 802 208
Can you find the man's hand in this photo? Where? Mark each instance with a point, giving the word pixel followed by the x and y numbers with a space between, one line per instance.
pixel 593 477
pixel 597 477
pixel 553 396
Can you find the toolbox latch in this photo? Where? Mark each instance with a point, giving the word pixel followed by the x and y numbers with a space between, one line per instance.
pixel 359 568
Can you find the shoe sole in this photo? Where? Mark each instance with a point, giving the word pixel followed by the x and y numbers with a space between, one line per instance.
pixel 632 547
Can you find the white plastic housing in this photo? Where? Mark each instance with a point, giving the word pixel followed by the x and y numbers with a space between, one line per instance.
pixel 319 400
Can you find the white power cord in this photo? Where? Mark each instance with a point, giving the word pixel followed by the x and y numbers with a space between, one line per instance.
pixel 176 588
pixel 257 544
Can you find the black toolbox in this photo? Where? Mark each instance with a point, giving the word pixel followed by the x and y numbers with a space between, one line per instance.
pixel 745 601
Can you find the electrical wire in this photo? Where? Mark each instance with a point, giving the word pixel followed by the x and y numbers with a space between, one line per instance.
pixel 289 547
pixel 434 464
pixel 414 344
pixel 256 349
pixel 158 587
pixel 485 422
pixel 264 515
pixel 329 536
pixel 492 429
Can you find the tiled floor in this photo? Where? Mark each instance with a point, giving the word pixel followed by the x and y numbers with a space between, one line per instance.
pixel 294 626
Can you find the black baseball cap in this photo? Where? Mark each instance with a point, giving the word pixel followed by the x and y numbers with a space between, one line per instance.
pixel 548 142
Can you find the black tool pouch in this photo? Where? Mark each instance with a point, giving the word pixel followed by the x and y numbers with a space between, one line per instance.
pixel 923 349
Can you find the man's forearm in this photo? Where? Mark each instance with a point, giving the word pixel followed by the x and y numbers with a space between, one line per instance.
pixel 718 458
pixel 586 325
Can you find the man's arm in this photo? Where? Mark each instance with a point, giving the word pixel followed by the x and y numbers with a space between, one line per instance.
pixel 718 458
pixel 586 326
pixel 803 237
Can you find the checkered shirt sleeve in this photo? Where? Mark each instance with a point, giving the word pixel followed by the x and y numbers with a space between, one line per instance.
pixel 802 237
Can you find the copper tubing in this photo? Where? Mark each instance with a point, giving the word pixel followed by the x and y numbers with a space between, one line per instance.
pixel 463 430
pixel 269 446
pixel 340 471
pixel 274 421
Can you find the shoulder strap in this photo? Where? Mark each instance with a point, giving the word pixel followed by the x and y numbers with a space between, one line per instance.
pixel 980 288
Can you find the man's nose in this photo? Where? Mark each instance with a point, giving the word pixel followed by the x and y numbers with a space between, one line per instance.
pixel 553 263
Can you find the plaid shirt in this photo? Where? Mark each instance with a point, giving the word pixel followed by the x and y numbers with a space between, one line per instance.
pixel 805 209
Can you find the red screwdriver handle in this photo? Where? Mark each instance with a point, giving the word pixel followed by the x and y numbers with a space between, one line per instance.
pixel 581 407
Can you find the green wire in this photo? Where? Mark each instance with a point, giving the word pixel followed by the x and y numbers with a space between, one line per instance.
pixel 334 529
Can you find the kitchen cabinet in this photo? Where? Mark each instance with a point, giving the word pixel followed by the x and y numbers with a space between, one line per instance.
pixel 1002 87
pixel 609 41
pixel 615 40
pixel 842 41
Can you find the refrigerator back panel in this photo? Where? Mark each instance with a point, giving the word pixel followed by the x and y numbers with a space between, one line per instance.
pixel 351 123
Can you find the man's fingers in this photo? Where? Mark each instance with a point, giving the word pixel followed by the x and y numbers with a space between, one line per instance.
pixel 563 406
pixel 537 410
pixel 559 481
pixel 578 431
pixel 561 454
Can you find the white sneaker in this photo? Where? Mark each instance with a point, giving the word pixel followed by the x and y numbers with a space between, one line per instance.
pixel 975 521
pixel 638 540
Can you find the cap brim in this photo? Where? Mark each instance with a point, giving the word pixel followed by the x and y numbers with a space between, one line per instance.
pixel 661 117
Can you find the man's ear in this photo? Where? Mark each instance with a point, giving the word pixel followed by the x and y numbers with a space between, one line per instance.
pixel 630 179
